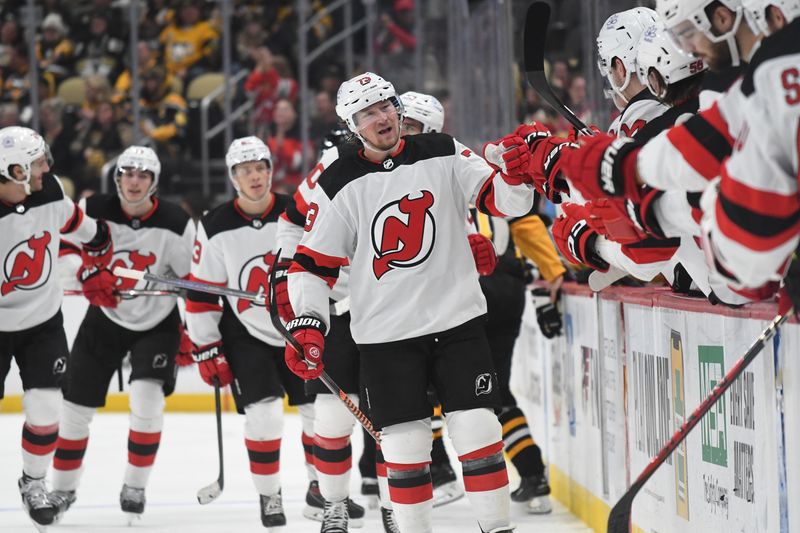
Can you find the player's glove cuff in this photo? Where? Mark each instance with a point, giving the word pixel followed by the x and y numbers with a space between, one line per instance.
pixel 207 352
pixel 306 322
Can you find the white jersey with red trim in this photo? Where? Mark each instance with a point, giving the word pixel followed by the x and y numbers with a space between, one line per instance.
pixel 158 242
pixel 293 219
pixel 639 111
pixel 30 291
pixel 236 250
pixel 754 220
pixel 400 225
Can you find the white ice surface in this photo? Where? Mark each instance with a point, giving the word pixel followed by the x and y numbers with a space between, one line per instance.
pixel 187 461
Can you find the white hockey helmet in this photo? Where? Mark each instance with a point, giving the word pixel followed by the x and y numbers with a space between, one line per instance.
pixel 21 146
pixel 619 38
pixel 246 149
pixel 755 11
pixel 683 17
pixel 425 109
pixel 657 50
pixel 139 158
pixel 359 93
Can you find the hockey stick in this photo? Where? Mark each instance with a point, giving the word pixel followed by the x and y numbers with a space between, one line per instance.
pixel 211 492
pixel 535 34
pixel 128 292
pixel 600 280
pixel 324 377
pixel 188 284
pixel 619 520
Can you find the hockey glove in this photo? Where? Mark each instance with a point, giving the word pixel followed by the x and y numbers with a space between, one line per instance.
pixel 212 364
pixel 285 310
pixel 307 330
pixel 99 251
pixel 789 295
pixel 483 253
pixel 98 286
pixel 603 167
pixel 546 159
pixel 511 156
pixel 576 239
pixel 617 220
pixel 184 357
pixel 549 318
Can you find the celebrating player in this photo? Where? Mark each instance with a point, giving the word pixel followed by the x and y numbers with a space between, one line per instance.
pixel 395 211
pixel 234 344
pixel 150 235
pixel 34 212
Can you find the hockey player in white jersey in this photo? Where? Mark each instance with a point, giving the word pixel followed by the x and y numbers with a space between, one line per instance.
pixel 154 236
pixel 234 343
pixel 34 212
pixel 395 212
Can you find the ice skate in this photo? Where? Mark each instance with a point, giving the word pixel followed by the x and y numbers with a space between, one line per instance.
pixel 272 516
pixel 389 523
pixel 315 507
pixel 446 488
pixel 35 500
pixel 335 517
pixel 62 500
pixel 131 500
pixel 533 491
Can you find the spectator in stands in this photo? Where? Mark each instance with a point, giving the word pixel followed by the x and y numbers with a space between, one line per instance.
pixel 251 37
pixel 325 118
pixel 9 115
pixel 10 35
pixel 14 75
pixel 55 50
pixel 163 113
pixel 147 60
pixel 97 140
pixel 269 81
pixel 286 147
pixel 98 90
pixel 189 43
pixel 58 133
pixel 100 52
pixel 576 98
pixel 116 22
pixel 395 43
pixel 158 14
pixel 559 78
pixel 330 79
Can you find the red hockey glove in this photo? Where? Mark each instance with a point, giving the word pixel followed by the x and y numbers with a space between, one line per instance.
pixel 308 332
pixel 212 364
pixel 483 252
pixel 789 295
pixel 603 166
pixel 184 357
pixel 99 286
pixel 616 220
pixel 510 154
pixel 545 156
pixel 285 310
pixel 576 239
pixel 575 133
pixel 650 250
pixel 98 252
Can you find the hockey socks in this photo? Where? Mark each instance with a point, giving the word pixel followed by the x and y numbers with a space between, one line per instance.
pixel 144 436
pixel 264 458
pixel 73 437
pixel 411 492
pixel 519 445
pixel 38 445
pixel 333 458
pixel 307 438
pixel 486 483
pixel 383 481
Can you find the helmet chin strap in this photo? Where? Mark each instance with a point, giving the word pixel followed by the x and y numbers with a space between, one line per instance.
pixel 26 183
pixel 734 51
pixel 619 90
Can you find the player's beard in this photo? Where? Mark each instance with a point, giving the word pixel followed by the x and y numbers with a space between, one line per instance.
pixel 719 58
pixel 388 145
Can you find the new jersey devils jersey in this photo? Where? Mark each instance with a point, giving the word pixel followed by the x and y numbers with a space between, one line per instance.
pixel 400 223
pixel 158 242
pixel 236 250
pixel 640 110
pixel 754 221
pixel 293 220
pixel 30 292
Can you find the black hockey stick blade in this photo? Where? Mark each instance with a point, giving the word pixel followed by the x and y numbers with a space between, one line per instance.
pixel 211 492
pixel 619 520
pixel 324 377
pixel 537 20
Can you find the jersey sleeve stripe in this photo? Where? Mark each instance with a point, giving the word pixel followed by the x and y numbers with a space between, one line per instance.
pixel 321 265
pixel 763 232
pixel 486 202
pixel 295 212
pixel 716 144
pixel 74 221
pixel 759 201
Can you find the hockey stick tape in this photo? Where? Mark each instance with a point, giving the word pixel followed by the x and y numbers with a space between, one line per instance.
pixel 129 273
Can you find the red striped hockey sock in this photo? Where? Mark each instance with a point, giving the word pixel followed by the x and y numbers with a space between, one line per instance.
pixel 411 492
pixel 265 464
pixel 486 484
pixel 142 449
pixel 67 462
pixel 308 451
pixel 383 481
pixel 38 445
pixel 333 458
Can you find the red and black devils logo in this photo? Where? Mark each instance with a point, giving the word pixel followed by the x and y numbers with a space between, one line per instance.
pixel 135 260
pixel 254 277
pixel 403 233
pixel 28 265
pixel 633 129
